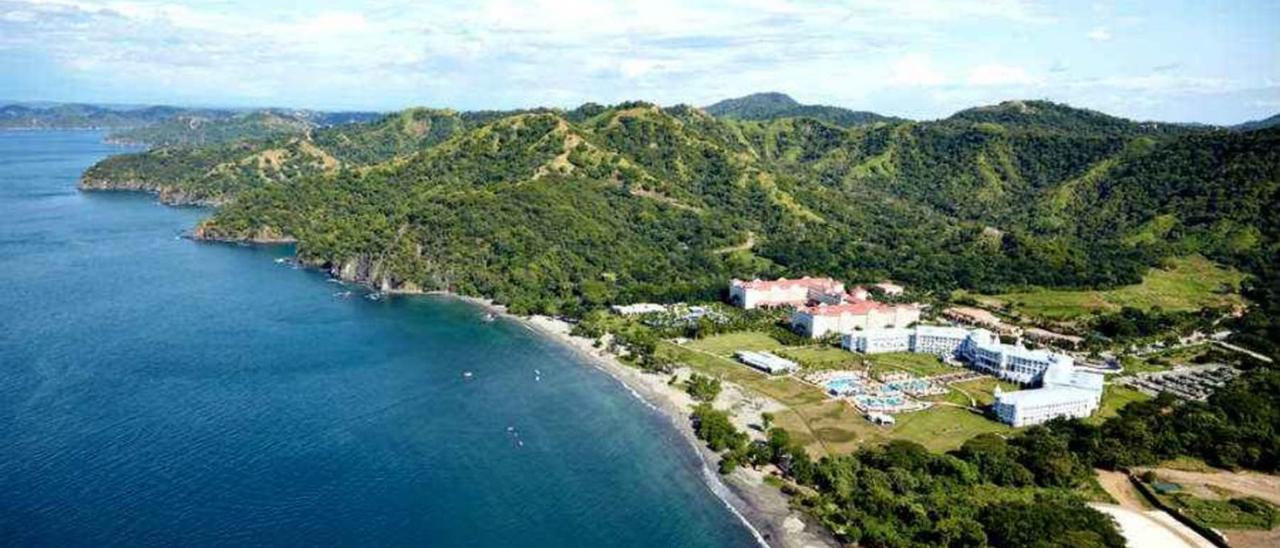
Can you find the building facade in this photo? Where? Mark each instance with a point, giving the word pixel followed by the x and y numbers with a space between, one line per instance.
pixel 821 320
pixel 941 341
pixel 1064 392
pixel 784 292
pixel 877 341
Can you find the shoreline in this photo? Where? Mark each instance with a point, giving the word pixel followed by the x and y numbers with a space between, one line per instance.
pixel 764 509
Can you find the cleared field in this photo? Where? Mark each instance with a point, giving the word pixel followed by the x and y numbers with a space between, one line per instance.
pixel 923 365
pixel 1113 398
pixel 822 357
pixel 943 428
pixel 826 426
pixel 728 343
pixel 1189 283
pixel 983 390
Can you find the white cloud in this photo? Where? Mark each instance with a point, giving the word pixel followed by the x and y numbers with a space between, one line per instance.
pixel 1100 34
pixel 915 70
pixel 995 74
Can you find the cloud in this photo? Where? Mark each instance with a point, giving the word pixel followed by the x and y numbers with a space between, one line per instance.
pixel 915 70
pixel 995 74
pixel 1100 34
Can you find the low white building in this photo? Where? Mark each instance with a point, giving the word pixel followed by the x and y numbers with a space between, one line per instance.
pixel 876 341
pixel 1065 392
pixel 941 341
pixel 638 308
pixel 891 289
pixel 784 292
pixel 817 321
pixel 767 362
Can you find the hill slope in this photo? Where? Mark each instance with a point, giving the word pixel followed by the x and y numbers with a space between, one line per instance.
pixel 551 211
pixel 774 105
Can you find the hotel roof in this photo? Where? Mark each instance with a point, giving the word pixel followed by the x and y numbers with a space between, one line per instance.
pixel 820 284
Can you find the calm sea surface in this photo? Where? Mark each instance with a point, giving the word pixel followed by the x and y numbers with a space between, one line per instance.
pixel 156 391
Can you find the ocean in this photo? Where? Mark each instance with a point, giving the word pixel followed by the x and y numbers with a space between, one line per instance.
pixel 157 391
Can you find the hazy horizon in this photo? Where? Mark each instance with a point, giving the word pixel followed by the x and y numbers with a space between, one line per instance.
pixel 1179 61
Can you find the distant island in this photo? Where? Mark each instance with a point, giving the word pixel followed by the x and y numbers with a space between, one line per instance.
pixel 1129 244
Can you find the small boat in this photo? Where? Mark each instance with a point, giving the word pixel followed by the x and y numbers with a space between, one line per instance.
pixel 466 374
pixel 373 296
pixel 343 294
pixel 489 317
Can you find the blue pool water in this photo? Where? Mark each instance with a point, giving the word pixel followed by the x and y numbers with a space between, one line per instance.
pixel 156 391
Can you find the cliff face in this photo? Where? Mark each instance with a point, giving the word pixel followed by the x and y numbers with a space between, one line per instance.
pixel 168 195
pixel 366 270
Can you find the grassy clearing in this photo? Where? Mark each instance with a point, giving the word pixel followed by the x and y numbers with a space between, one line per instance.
pixel 823 425
pixel 983 390
pixel 923 365
pixel 1237 513
pixel 1113 398
pixel 728 343
pixel 943 428
pixel 822 357
pixel 1189 283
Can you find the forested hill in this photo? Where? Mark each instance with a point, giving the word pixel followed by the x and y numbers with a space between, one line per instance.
pixel 555 210
pixel 166 125
pixel 773 106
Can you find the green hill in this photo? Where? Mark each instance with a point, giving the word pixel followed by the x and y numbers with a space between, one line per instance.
pixel 550 210
pixel 773 106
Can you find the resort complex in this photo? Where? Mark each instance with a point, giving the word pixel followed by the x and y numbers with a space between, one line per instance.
pixel 822 307
pixel 1064 392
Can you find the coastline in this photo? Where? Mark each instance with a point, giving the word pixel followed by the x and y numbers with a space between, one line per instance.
pixel 764 509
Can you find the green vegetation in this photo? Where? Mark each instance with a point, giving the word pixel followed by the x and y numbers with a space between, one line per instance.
pixel 566 211
pixel 990 492
pixel 1236 513
pixel 1186 284
pixel 922 365
pixel 773 106
pixel 1114 398
pixel 1236 427
pixel 702 387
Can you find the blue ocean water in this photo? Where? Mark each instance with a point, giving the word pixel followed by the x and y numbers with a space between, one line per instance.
pixel 156 391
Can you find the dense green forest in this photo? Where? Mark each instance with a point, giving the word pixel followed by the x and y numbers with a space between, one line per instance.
pixel 559 211
pixel 993 491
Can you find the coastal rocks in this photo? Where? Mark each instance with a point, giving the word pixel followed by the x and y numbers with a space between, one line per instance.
pixel 168 195
pixel 363 269
pixel 262 235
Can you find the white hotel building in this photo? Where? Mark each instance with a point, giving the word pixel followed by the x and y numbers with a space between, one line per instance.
pixel 1064 391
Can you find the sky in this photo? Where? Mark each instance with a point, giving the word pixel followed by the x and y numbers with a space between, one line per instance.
pixel 1170 60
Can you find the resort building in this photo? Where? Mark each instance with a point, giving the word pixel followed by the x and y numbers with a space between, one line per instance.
pixel 1065 392
pixel 877 341
pixel 767 362
pixel 941 341
pixel 784 292
pixel 819 320
pixel 1012 362
pixel 638 308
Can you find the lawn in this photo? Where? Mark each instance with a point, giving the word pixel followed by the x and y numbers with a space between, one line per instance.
pixel 983 389
pixel 1189 283
pixel 943 428
pixel 922 365
pixel 1113 398
pixel 822 357
pixel 728 343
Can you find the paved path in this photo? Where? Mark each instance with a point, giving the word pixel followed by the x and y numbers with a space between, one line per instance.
pixel 1153 528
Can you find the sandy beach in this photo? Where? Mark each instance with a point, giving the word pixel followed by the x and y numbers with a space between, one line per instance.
pixel 762 507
